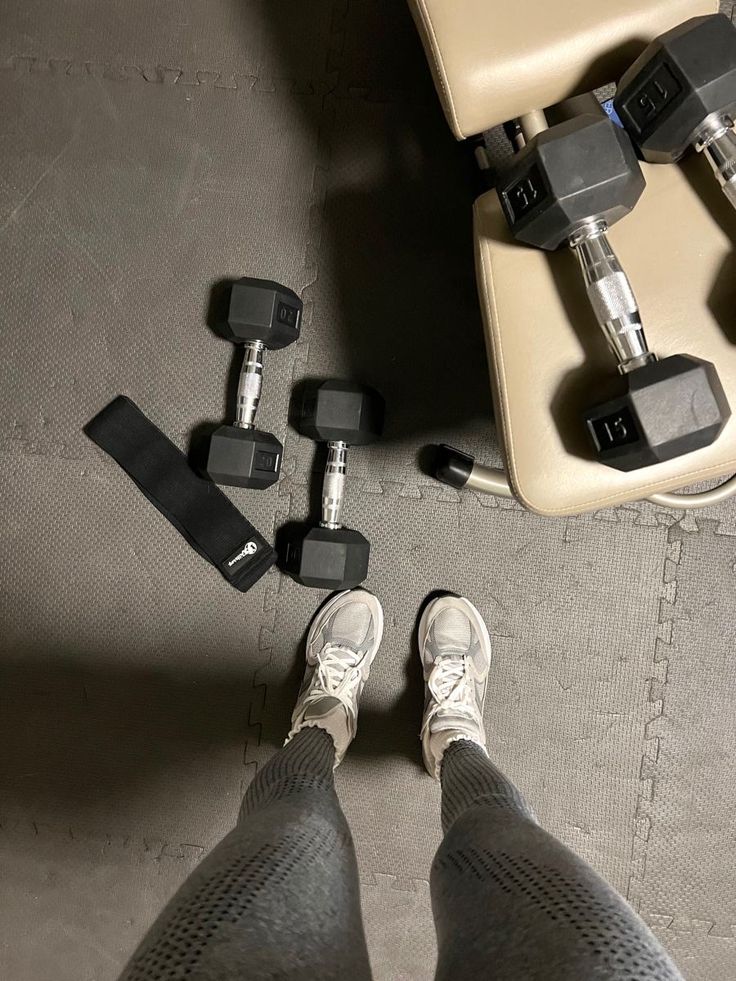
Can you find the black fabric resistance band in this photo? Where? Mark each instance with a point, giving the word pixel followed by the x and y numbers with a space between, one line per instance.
pixel 205 517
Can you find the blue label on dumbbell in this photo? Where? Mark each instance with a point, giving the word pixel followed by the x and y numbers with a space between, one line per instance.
pixel 607 107
pixel 240 556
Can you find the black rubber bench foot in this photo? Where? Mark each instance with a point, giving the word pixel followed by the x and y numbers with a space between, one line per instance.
pixel 452 466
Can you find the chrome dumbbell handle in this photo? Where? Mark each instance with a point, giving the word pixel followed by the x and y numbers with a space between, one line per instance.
pixel 249 385
pixel 333 486
pixel 716 140
pixel 610 295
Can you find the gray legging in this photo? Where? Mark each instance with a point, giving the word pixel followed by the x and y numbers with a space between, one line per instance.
pixel 278 898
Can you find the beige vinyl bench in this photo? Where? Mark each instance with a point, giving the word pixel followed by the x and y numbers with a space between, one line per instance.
pixel 495 61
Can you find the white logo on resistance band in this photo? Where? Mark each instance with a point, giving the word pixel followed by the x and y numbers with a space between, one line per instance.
pixel 250 548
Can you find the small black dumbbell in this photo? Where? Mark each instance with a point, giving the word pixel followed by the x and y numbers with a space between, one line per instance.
pixel 262 315
pixel 341 414
pixel 567 186
pixel 681 92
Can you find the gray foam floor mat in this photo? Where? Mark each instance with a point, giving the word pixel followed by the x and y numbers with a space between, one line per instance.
pixel 149 150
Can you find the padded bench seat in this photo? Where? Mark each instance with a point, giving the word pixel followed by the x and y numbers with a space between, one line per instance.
pixel 496 59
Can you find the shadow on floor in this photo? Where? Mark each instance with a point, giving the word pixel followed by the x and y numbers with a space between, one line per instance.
pixel 395 242
pixel 81 737
pixel 80 732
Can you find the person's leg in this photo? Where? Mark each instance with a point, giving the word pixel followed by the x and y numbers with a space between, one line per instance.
pixel 279 896
pixel 510 901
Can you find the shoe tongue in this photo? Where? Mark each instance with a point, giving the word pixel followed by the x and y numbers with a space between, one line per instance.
pixel 321 707
pixel 452 632
pixel 448 720
pixel 350 625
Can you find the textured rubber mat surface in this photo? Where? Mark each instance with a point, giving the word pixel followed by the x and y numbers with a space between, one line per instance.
pixel 148 150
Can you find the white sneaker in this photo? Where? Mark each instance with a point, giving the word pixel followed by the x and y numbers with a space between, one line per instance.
pixel 455 649
pixel 342 642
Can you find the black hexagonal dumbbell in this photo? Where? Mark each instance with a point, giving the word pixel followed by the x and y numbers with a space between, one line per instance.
pixel 342 414
pixel 568 185
pixel 667 408
pixel 681 93
pixel 261 315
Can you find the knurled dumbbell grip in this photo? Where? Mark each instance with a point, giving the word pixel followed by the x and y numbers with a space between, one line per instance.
pixel 611 296
pixel 249 385
pixel 716 140
pixel 333 486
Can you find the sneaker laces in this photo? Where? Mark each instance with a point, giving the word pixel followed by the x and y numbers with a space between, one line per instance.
pixel 451 689
pixel 337 674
